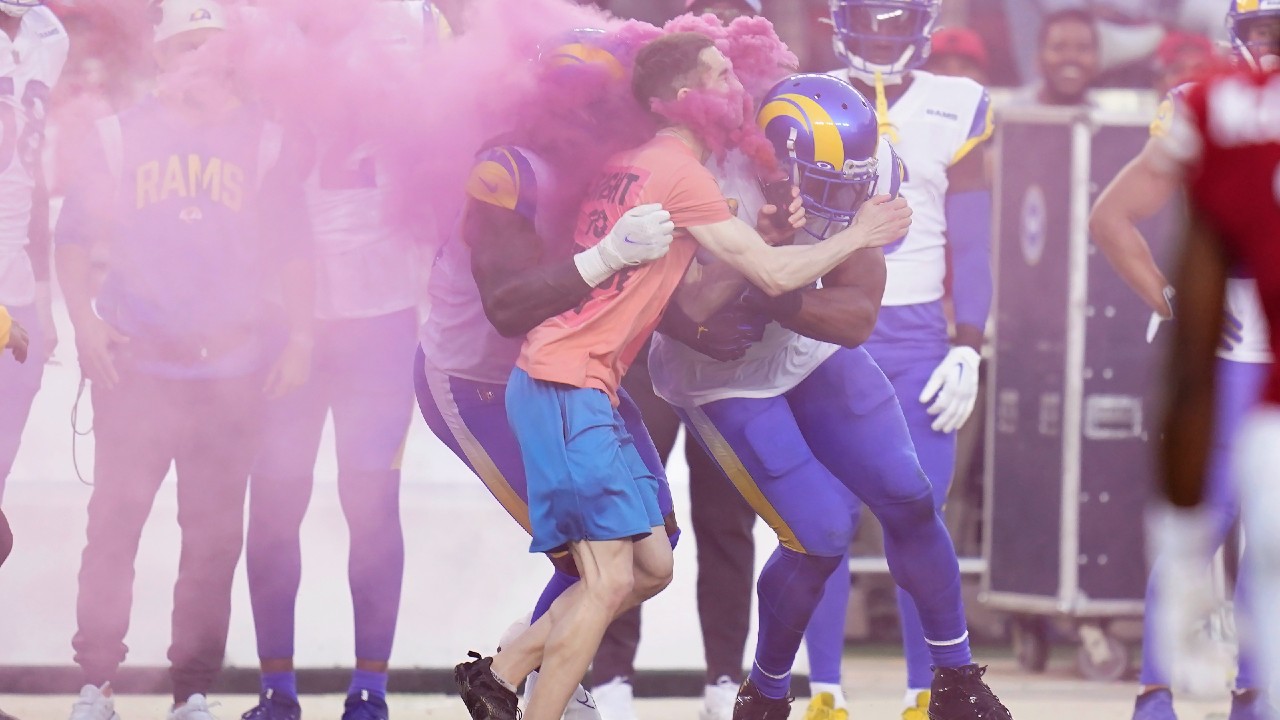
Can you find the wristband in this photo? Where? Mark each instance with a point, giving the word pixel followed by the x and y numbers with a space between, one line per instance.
pixel 592 266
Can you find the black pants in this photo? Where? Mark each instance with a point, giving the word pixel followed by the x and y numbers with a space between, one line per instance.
pixel 210 430
pixel 722 524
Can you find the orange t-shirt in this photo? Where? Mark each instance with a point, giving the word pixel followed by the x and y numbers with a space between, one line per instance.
pixel 592 345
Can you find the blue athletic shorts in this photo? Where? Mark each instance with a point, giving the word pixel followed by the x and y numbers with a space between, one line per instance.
pixel 586 479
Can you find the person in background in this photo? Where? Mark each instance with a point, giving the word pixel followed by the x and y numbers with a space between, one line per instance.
pixel 200 200
pixel 940 127
pixel 1069 59
pixel 959 52
pixel 726 10
pixel 1181 57
pixel 366 333
pixel 33 51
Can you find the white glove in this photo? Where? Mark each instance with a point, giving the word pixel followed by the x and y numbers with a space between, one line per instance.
pixel 955 385
pixel 1153 325
pixel 1182 544
pixel 643 234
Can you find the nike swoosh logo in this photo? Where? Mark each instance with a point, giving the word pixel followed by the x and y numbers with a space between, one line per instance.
pixel 588 704
pixel 627 239
pixel 489 186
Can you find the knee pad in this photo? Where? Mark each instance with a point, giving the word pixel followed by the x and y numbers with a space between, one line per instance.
pixel 906 516
pixel 827 533
pixel 6 538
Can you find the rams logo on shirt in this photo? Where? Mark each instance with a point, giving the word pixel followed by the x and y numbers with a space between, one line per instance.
pixel 190 177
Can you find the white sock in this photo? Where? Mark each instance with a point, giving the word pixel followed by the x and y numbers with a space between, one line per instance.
pixel 501 682
pixel 817 688
pixel 913 694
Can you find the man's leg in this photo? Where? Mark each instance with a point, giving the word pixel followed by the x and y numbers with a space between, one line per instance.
pixel 279 492
pixel 372 405
pixel 21 382
pixel 850 415
pixel 1258 453
pixel 654 425
pixel 134 438
pixel 852 420
pixel 586 480
pixel 722 526
pixel 760 448
pixel 1239 386
pixel 574 636
pixel 213 464
pixel 908 369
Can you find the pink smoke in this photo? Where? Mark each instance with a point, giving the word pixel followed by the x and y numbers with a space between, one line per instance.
pixel 760 59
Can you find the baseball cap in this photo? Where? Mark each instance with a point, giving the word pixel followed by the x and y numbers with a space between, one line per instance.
pixel 1178 42
pixel 695 6
pixel 960 41
pixel 179 16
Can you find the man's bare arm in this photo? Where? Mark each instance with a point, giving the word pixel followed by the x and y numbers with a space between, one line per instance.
pixel 778 270
pixel 1137 193
pixel 845 309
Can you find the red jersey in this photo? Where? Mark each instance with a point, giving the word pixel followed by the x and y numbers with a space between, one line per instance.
pixel 1228 136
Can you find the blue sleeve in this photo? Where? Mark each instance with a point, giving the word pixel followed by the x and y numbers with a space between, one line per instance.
pixel 969 236
pixel 88 197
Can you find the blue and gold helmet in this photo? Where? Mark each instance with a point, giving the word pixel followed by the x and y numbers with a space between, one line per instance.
pixel 1240 16
pixel 582 49
pixel 888 37
pixel 825 136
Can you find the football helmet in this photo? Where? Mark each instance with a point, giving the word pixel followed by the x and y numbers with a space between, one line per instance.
pixel 885 37
pixel 824 134
pixel 582 48
pixel 1239 18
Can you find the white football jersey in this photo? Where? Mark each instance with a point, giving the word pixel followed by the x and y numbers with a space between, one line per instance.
pixel 782 360
pixel 365 266
pixel 937 121
pixel 457 337
pixel 30 65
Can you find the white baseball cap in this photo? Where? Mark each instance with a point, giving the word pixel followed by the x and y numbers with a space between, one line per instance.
pixel 179 16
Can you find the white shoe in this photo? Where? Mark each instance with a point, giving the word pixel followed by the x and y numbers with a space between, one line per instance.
pixel 94 705
pixel 717 700
pixel 581 707
pixel 197 708
pixel 615 700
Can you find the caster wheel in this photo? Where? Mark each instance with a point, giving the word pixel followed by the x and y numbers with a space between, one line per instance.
pixel 1031 643
pixel 1101 657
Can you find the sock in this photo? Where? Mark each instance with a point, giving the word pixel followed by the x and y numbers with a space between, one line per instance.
pixel 912 698
pixel 556 586
pixel 923 562
pixel 374 682
pixel 951 653
pixel 281 683
pixel 501 682
pixel 837 692
pixel 789 588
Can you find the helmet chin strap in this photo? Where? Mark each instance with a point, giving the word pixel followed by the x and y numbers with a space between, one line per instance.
pixel 15 10
pixel 884 124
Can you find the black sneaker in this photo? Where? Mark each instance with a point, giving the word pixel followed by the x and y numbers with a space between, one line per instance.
pixel 484 696
pixel 751 704
pixel 274 707
pixel 960 694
